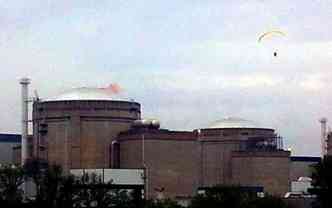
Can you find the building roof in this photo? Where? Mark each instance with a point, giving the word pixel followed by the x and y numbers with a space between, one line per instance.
pixel 305 159
pixel 10 138
pixel 234 122
pixel 156 134
pixel 88 93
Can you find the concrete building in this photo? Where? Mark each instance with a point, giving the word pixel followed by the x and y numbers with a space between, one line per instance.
pixel 181 162
pixel 91 128
pixel 302 166
pixel 76 128
pixel 7 143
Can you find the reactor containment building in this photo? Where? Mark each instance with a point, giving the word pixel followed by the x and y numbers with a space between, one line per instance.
pixel 93 128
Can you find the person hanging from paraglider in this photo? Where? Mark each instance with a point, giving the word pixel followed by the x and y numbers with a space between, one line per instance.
pixel 269 34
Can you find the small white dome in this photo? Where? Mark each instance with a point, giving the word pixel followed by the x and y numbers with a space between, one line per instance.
pixel 154 123
pixel 85 93
pixel 233 122
pixel 304 179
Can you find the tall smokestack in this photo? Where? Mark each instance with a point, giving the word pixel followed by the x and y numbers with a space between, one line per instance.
pixel 25 118
pixel 323 122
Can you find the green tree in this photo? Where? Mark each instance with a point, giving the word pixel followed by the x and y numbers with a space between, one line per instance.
pixel 235 197
pixel 35 169
pixel 166 203
pixel 90 191
pixel 48 180
pixel 11 178
pixel 54 189
pixel 67 196
pixel 222 196
pixel 52 180
pixel 267 201
pixel 322 181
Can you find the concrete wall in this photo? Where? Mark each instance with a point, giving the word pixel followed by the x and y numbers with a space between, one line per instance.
pixel 216 162
pixel 181 162
pixel 216 147
pixel 171 162
pixel 267 169
pixel 7 143
pixel 302 167
pixel 299 202
pixel 78 134
pixel 7 152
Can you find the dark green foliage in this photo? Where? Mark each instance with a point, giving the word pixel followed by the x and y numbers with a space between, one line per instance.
pixel 121 199
pixel 48 180
pixel 221 196
pixel 267 201
pixel 11 178
pixel 234 197
pixel 89 191
pixel 34 169
pixel 167 203
pixel 67 196
pixel 322 181
pixel 54 190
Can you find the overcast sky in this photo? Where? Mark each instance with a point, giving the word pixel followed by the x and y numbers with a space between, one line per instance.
pixel 187 62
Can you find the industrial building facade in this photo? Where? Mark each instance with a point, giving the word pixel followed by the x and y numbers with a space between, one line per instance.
pixel 79 133
pixel 89 128
pixel 7 143
pixel 181 162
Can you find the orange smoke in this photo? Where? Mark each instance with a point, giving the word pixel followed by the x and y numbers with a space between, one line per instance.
pixel 113 88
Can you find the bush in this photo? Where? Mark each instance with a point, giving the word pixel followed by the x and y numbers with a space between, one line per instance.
pixel 167 203
pixel 234 197
pixel 11 178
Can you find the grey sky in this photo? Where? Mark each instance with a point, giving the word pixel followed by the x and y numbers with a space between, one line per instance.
pixel 187 62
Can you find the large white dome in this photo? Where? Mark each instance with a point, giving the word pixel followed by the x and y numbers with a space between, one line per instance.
pixel 85 93
pixel 234 122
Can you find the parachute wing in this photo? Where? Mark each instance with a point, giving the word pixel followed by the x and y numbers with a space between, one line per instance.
pixel 270 34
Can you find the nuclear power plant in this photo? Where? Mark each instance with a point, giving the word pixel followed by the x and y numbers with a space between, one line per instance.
pixel 76 129
pixel 96 129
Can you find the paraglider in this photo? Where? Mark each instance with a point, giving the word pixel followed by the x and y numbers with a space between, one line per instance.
pixel 270 34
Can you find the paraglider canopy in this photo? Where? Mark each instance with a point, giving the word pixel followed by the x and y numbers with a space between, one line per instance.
pixel 267 35
pixel 270 34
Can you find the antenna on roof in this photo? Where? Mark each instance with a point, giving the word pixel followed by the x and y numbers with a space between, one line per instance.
pixel 36 98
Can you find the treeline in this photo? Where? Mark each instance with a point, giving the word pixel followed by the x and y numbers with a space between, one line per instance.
pixel 53 189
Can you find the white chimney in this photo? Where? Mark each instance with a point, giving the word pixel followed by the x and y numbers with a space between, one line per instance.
pixel 25 118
